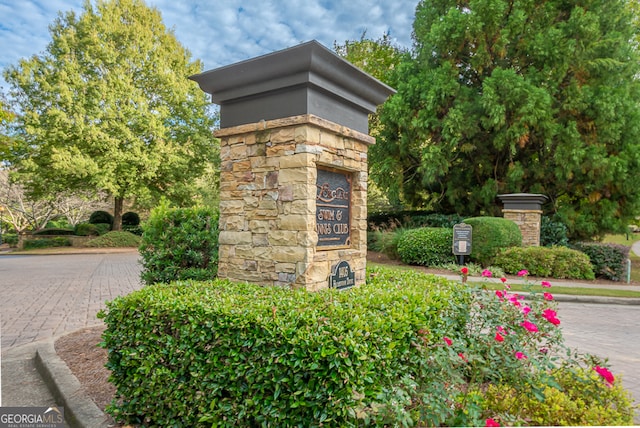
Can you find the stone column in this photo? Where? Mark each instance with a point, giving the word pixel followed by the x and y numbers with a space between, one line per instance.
pixel 293 147
pixel 525 209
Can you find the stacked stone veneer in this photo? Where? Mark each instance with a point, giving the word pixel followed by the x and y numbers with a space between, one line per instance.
pixel 529 223
pixel 268 200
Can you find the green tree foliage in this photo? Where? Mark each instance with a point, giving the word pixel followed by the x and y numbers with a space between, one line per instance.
pixel 518 96
pixel 108 106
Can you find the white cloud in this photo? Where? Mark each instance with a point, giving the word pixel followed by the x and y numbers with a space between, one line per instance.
pixel 223 32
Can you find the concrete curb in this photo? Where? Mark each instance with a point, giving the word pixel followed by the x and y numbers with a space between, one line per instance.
pixel 80 410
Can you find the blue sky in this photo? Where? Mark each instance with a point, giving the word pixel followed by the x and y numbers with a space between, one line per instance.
pixel 226 31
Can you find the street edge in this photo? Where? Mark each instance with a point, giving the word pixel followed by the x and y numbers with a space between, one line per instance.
pixel 80 411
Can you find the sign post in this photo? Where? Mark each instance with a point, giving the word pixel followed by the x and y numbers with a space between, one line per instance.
pixel 462 238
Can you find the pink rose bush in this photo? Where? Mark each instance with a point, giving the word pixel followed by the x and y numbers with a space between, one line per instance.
pixel 506 338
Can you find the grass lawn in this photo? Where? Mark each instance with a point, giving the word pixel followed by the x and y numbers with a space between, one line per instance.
pixel 575 291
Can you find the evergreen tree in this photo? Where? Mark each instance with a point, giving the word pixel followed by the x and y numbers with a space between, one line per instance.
pixel 510 96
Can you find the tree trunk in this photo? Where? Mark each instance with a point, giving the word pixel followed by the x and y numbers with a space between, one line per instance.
pixel 117 213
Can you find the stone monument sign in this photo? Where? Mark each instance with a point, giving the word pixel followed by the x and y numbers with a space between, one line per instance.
pixel 293 180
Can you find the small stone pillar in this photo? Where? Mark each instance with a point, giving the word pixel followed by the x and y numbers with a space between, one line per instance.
pixel 525 209
pixel 293 180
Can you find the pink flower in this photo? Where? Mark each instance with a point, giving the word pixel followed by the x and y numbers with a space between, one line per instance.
pixel 605 373
pixel 499 338
pixel 503 279
pixel 545 284
pixel 464 270
pixel 500 294
pixel 447 340
pixel 529 326
pixel 526 310
pixel 461 355
pixel 486 273
pixel 523 272
pixel 491 423
pixel 551 316
pixel 520 356
pixel 500 329
pixel 548 296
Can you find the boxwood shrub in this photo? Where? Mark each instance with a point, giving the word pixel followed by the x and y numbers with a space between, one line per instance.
pixel 53 231
pixel 59 241
pixel 179 243
pixel 490 235
pixel 426 246
pixel 609 260
pixel 230 354
pixel 104 217
pixel 554 262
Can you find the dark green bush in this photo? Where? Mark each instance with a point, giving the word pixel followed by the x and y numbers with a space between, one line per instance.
pixel 53 231
pixel 115 239
pixel 10 238
pixel 180 244
pixel 490 235
pixel 553 233
pixel 101 217
pixel 385 241
pixel 136 230
pixel 130 219
pixel 90 229
pixel 244 355
pixel 554 262
pixel 427 246
pixel 412 219
pixel 609 260
pixel 31 244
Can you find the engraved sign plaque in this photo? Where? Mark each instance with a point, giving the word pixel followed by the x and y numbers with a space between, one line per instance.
pixel 342 276
pixel 333 208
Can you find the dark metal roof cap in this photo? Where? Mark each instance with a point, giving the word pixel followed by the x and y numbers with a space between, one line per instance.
pixel 310 74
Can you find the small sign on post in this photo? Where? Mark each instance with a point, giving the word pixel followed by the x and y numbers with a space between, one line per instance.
pixel 462 238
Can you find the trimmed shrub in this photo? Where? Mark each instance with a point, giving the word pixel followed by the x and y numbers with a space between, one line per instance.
pixel 53 231
pixel 553 233
pixel 490 235
pixel 130 219
pixel 115 239
pixel 86 229
pixel 101 217
pixel 234 354
pixel 609 260
pixel 179 243
pixel 406 349
pixel 10 238
pixel 427 246
pixel 555 262
pixel 30 244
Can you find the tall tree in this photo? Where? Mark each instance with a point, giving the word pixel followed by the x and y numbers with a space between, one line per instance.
pixel 380 58
pixel 108 107
pixel 511 96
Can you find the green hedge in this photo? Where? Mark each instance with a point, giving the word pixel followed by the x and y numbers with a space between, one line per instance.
pixel 53 231
pixel 179 243
pixel 491 235
pixel 116 239
pixel 609 260
pixel 555 262
pixel 406 349
pixel 30 244
pixel 427 246
pixel 243 355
